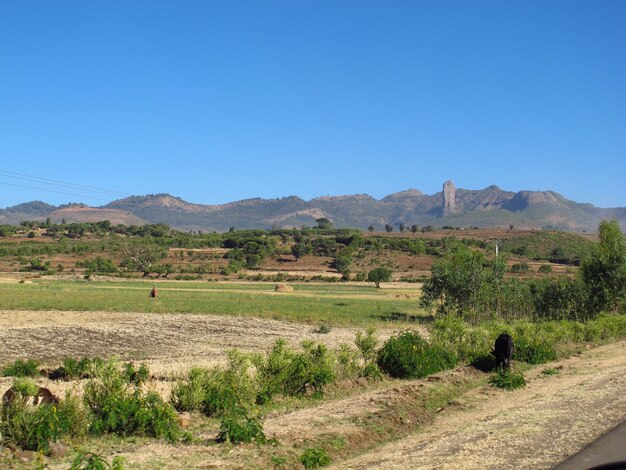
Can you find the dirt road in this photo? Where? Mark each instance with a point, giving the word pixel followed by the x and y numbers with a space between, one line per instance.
pixel 537 427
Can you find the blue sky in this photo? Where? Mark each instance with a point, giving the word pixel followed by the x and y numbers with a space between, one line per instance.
pixel 220 101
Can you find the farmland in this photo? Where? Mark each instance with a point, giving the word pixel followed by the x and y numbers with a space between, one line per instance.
pixel 225 319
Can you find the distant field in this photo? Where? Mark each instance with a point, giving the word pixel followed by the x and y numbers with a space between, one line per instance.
pixel 336 304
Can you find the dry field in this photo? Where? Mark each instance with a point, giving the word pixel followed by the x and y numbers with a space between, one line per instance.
pixel 371 425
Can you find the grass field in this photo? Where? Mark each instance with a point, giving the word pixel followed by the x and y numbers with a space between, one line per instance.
pixel 335 304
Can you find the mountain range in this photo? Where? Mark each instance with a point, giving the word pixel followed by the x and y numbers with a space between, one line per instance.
pixel 488 207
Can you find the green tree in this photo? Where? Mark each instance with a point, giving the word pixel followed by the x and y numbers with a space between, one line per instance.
pixel 414 228
pixel 370 229
pixel 379 275
pixel 141 257
pixel 298 250
pixel 388 228
pixel 324 223
pixel 604 273
pixel 402 228
pixel 455 281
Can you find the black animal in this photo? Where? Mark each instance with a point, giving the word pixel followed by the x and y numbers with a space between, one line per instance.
pixel 503 350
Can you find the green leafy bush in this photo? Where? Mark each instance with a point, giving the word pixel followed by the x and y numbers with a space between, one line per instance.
pixel 20 368
pixel 508 379
pixel 91 461
pixel 315 457
pixel 366 343
pixel 287 372
pixel 408 355
pixel 34 427
pixel 238 427
pixel 216 391
pixel 537 350
pixel 73 369
pixel 119 406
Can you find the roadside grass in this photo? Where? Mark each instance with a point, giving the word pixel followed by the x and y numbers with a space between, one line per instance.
pixel 336 305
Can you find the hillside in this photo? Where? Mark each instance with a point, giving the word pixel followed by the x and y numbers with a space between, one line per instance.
pixel 488 207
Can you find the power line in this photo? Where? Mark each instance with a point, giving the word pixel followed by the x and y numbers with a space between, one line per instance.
pixel 63 184
pixel 53 191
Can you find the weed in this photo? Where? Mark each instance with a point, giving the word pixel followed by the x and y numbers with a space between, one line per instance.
pixel 20 368
pixel 315 457
pixel 119 406
pixel 550 372
pixel 322 330
pixel 508 379
pixel 238 427
pixel 91 461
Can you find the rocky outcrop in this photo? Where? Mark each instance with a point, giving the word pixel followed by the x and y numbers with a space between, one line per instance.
pixel 448 196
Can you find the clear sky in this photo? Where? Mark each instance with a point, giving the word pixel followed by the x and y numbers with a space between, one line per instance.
pixel 216 101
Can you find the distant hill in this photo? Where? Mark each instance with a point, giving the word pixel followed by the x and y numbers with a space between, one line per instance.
pixel 488 207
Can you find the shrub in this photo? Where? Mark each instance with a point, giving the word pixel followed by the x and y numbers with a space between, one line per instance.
pixel 315 457
pixel 189 394
pixel 20 368
pixel 347 363
pixel 73 368
pixel 119 406
pixel 366 344
pixel 545 269
pixel 286 372
pixel 408 355
pixel 537 350
pixel 91 461
pixel 35 427
pixel 217 391
pixel 520 268
pixel 508 379
pixel 238 427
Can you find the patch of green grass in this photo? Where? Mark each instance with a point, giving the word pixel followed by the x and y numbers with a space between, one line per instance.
pixel 550 372
pixel 309 303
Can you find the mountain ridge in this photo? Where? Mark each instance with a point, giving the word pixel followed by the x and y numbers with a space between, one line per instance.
pixel 487 207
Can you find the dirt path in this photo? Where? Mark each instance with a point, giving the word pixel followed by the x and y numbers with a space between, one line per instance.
pixel 537 427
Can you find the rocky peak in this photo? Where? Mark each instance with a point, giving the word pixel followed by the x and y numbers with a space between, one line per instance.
pixel 448 195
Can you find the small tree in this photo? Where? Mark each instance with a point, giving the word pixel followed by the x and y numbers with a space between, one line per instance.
pixel 604 273
pixel 388 228
pixel 324 223
pixel 414 228
pixel 298 250
pixel 370 229
pixel 402 228
pixel 379 275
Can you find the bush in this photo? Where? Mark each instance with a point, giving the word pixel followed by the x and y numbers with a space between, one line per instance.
pixel 20 368
pixel 217 391
pixel 520 268
pixel 119 406
pixel 73 369
pixel 35 427
pixel 545 269
pixel 286 372
pixel 508 379
pixel 407 355
pixel 315 457
pixel 366 344
pixel 537 350
pixel 238 427
pixel 93 461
